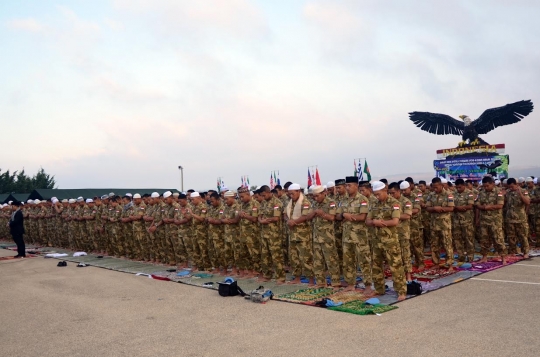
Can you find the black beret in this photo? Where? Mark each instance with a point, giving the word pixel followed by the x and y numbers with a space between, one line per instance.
pixel 351 179
pixel 339 182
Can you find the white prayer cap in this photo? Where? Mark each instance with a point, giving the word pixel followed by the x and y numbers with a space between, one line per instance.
pixel 136 195
pixel 111 194
pixel 521 179
pixel 529 179
pixel 128 194
pixel 324 187
pixel 89 200
pixel 176 194
pixel 505 181
pixel 37 202
pixel 224 188
pixel 194 194
pixel 65 200
pixel 71 200
pixel 330 184
pixel 377 186
pixel 167 194
pixel 535 180
pixel 29 201
pixel 317 189
pixel 310 189
pixel 251 193
pixel 154 195
pixel 80 199
pixel 404 185
pixel 229 194
pixel 443 180
pixel 294 187
pixel 9 202
pixel 104 197
pixel 497 182
pixel 306 191
pixel 258 187
pixel 54 200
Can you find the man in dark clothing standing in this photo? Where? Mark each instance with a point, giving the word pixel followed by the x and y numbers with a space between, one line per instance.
pixel 16 226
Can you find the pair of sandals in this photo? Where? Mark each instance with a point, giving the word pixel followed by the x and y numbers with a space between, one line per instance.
pixel 64 264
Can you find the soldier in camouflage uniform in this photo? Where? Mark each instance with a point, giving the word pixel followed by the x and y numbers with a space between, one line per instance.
pixel 136 215
pixel 231 232
pixel 269 218
pixel 463 222
pixel 384 216
pixel 197 213
pixel 534 209
pixel 170 238
pixel 425 217
pixel 249 250
pixel 517 200
pixel 297 216
pixel 89 216
pixel 403 227
pixel 161 250
pixel 416 227
pixel 148 219
pixel 184 248
pixel 341 198
pixel 440 205
pixel 283 196
pixel 325 256
pixel 489 205
pixel 115 214
pixel 356 247
pixel 215 233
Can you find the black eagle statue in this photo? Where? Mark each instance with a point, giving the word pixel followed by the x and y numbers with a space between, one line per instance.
pixel 442 124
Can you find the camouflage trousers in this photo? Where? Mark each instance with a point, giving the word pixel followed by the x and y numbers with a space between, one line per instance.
pixel 242 254
pixel 325 258
pixel 357 254
pixel 179 246
pixel 170 243
pixel 200 250
pixel 252 243
pixel 138 240
pixel 301 255
pixel 463 235
pixel 160 247
pixel 285 244
pixel 272 252
pixel 442 237
pixel 491 233
pixel 186 244
pixel 537 229
pixel 215 248
pixel 417 246
pixel 112 232
pixel 386 247
pixel 517 232
pixel 405 244
pixel 90 245
pixel 338 232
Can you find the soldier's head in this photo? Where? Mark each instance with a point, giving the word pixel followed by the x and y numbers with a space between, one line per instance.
pixel 168 197
pixel 488 184
pixel 379 190
pixel 90 202
pixel 265 193
pixel 365 188
pixel 468 183
pixel 215 199
pixel 286 187
pixel 294 192
pixel 411 182
pixel 460 185
pixel 274 193
pixel 137 199
pixel 351 185
pixel 182 200
pixel 245 195
pixel 530 182
pixel 422 185
pixel 175 196
pixel 331 188
pixel 279 191
pixel 115 200
pixel 405 188
pixel 385 181
pixel 230 198
pixel 340 187
pixel 436 185
pixel 319 193
pixel 195 198
pixel 394 191
pixel 512 184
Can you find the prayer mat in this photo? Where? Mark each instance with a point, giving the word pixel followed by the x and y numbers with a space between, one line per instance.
pixel 347 296
pixel 433 273
pixel 361 308
pixel 305 295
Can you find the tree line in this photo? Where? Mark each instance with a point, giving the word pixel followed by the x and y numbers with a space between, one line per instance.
pixel 20 182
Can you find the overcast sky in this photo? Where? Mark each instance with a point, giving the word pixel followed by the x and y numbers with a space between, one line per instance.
pixel 119 93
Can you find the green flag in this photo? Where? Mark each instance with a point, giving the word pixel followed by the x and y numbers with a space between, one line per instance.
pixel 366 171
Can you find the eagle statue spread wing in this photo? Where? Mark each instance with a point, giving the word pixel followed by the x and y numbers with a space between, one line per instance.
pixel 441 124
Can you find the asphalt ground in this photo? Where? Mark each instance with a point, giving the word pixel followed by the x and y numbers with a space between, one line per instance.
pixel 69 311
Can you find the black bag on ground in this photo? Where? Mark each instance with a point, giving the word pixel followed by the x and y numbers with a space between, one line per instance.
pixel 414 288
pixel 228 288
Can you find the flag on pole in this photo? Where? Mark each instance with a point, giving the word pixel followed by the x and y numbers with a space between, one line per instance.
pixel 218 185
pixel 360 174
pixel 366 171
pixel 275 180
pixel 271 181
pixel 317 177
pixel 278 181
pixel 355 169
pixel 309 182
pixel 247 178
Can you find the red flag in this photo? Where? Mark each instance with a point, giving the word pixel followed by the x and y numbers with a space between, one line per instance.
pixel 317 177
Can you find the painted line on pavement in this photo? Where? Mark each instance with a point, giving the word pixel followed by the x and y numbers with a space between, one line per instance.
pixel 527 265
pixel 506 281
